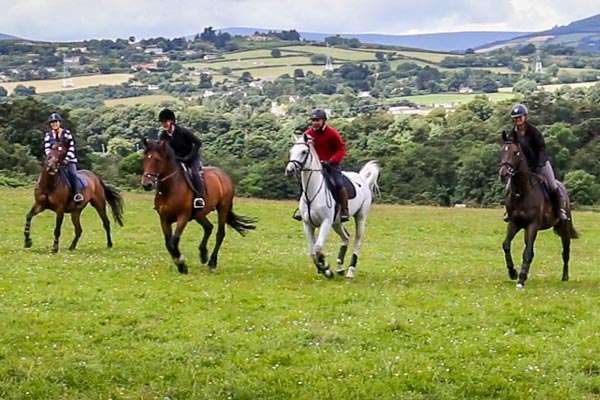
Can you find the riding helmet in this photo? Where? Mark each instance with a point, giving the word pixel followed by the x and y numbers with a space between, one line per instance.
pixel 166 115
pixel 520 110
pixel 318 114
pixel 55 117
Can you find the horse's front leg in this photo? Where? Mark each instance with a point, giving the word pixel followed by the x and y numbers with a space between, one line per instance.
pixel 60 215
pixel 511 231
pixel 530 235
pixel 321 262
pixel 173 250
pixel 178 258
pixel 35 210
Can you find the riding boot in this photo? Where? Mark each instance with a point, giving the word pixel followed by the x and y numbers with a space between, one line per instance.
pixel 563 215
pixel 344 216
pixel 74 183
pixel 198 190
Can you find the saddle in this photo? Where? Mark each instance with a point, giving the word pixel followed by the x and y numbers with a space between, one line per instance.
pixel 330 181
pixel 187 174
pixel 80 178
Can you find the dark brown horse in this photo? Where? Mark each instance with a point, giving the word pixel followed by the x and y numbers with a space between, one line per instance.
pixel 52 192
pixel 530 207
pixel 174 202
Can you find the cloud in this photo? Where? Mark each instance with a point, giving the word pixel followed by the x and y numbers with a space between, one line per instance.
pixel 74 20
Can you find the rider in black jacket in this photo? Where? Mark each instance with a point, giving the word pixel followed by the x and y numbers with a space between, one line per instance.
pixel 186 147
pixel 534 148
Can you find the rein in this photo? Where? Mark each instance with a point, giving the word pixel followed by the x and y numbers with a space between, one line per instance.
pixel 301 166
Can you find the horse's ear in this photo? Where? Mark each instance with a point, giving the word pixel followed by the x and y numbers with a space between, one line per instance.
pixel 506 137
pixel 145 143
pixel 163 144
pixel 305 137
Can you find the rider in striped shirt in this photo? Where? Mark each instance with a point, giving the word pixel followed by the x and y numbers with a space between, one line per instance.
pixel 61 135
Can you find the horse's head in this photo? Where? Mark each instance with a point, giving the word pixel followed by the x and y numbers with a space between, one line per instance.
pixel 55 158
pixel 157 158
pixel 510 157
pixel 299 154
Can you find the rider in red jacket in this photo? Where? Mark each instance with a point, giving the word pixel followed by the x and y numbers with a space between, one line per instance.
pixel 331 150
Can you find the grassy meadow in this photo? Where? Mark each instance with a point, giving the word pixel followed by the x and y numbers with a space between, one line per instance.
pixel 431 314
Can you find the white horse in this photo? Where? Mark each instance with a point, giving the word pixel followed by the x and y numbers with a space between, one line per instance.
pixel 317 205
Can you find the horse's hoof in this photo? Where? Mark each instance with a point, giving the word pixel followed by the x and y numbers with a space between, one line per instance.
pixel 203 258
pixel 55 250
pixel 520 286
pixel 513 275
pixel 182 268
pixel 565 278
pixel 28 244
pixel 350 274
pixel 109 245
pixel 341 271
pixel 72 248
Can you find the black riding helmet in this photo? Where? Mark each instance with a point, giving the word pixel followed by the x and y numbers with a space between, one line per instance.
pixel 520 110
pixel 318 114
pixel 55 117
pixel 166 115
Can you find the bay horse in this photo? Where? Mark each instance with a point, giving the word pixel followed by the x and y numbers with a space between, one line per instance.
pixel 317 205
pixel 529 207
pixel 52 192
pixel 174 202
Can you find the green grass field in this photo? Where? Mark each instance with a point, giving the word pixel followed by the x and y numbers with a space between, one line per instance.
pixel 452 98
pixel 431 314
pixel 79 82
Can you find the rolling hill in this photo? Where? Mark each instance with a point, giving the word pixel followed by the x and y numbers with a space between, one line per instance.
pixel 449 41
pixel 583 34
pixel 4 36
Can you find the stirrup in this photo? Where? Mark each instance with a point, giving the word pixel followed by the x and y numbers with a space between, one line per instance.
pixel 297 215
pixel 78 197
pixel 199 203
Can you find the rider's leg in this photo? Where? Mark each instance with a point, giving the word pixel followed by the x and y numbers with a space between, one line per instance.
pixel 195 166
pixel 342 193
pixel 74 182
pixel 548 174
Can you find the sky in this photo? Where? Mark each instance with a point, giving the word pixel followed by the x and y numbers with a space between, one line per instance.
pixel 63 20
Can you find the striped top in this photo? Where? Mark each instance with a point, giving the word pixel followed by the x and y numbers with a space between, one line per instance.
pixel 66 139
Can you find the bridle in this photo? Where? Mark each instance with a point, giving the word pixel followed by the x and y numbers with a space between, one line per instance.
pixel 301 167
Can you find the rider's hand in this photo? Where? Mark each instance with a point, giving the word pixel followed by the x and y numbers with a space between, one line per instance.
pixel 325 164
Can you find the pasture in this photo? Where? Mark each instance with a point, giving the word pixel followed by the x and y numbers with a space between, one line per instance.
pixel 431 314
pixel 453 98
pixel 79 82
pixel 152 99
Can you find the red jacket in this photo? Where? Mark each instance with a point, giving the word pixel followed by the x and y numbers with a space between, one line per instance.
pixel 328 144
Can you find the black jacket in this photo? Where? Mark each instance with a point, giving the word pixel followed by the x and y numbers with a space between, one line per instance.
pixel 184 143
pixel 533 146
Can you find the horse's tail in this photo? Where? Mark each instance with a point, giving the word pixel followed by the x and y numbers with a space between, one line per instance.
pixel 115 201
pixel 370 173
pixel 240 223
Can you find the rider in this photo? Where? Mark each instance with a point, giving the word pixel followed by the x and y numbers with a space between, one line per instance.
pixel 534 149
pixel 186 147
pixel 331 149
pixel 61 135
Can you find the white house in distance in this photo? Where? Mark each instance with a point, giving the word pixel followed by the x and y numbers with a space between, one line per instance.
pixel 154 50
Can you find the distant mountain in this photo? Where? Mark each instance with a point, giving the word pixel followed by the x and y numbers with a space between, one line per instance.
pixel 4 36
pixel 583 34
pixel 430 41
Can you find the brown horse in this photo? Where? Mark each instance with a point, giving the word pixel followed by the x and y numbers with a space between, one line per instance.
pixel 174 202
pixel 530 207
pixel 52 192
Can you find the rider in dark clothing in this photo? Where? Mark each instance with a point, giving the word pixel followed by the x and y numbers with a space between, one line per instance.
pixel 534 148
pixel 186 147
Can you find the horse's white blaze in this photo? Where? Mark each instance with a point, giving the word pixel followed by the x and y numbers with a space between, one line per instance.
pixel 317 206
